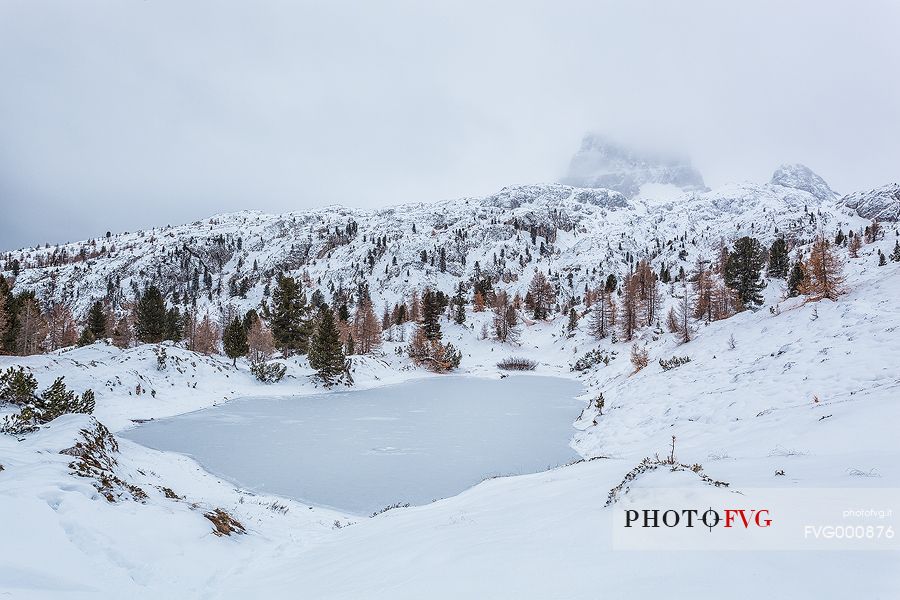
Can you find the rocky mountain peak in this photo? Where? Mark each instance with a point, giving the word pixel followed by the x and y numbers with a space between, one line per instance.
pixel 604 163
pixel 801 177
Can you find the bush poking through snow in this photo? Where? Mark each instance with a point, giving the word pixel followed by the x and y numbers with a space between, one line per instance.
pixel 674 362
pixel 95 459
pixel 17 386
pixel 390 507
pixel 592 359
pixel 161 357
pixel 514 363
pixel 432 354
pixel 651 464
pixel 640 357
pixel 224 523
pixel 268 372
pixel 53 402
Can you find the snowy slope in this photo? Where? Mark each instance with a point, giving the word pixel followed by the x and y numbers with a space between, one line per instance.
pixel 586 233
pixel 810 390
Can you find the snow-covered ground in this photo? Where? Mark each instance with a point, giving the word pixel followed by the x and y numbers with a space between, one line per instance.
pixel 809 390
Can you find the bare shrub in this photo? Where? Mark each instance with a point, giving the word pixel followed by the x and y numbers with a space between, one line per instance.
pixel 514 363
pixel 640 357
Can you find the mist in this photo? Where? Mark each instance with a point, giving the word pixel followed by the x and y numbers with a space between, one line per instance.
pixel 121 116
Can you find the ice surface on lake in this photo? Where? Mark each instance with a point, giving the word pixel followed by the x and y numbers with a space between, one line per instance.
pixel 360 451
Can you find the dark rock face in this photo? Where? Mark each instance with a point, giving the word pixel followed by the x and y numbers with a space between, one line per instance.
pixel 602 163
pixel 882 203
pixel 801 177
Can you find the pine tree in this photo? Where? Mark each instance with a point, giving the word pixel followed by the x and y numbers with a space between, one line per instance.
pixel 96 321
pixel 895 255
pixel 824 272
pixel 629 320
pixel 572 325
pixel 290 326
pixel 702 283
pixel 778 259
pixel 541 296
pixel 150 317
pixel 4 314
pixel 743 268
pixel 326 354
pixel 234 340
pixel 431 312
pixel 174 325
pixel 795 281
pixel 459 301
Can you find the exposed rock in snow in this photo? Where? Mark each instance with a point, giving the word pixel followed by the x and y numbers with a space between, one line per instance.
pixel 602 163
pixel 882 203
pixel 801 177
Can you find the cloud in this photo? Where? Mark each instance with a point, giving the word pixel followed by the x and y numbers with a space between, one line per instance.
pixel 130 114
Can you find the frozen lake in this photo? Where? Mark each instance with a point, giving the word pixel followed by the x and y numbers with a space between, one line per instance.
pixel 360 451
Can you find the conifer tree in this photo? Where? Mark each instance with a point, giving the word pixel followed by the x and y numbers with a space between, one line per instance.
pixel 505 319
pixel 32 327
pixel 4 314
pixel 96 321
pixel 778 259
pixel 572 325
pixel 602 321
pixel 702 283
pixel 259 341
pixel 743 268
pixel 824 272
pixel 234 340
pixel 895 255
pixel 61 325
pixel 431 312
pixel 174 325
pixel 798 274
pixel 366 330
pixel 150 317
pixel 854 245
pixel 289 323
pixel 629 320
pixel 459 301
pixel 121 335
pixel 326 354
pixel 478 302
pixel 540 295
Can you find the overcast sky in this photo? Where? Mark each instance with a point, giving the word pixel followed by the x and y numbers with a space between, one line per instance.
pixel 126 114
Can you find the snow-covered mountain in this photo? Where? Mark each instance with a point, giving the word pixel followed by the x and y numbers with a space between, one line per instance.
pixel 882 203
pixel 577 235
pixel 801 177
pixel 604 163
